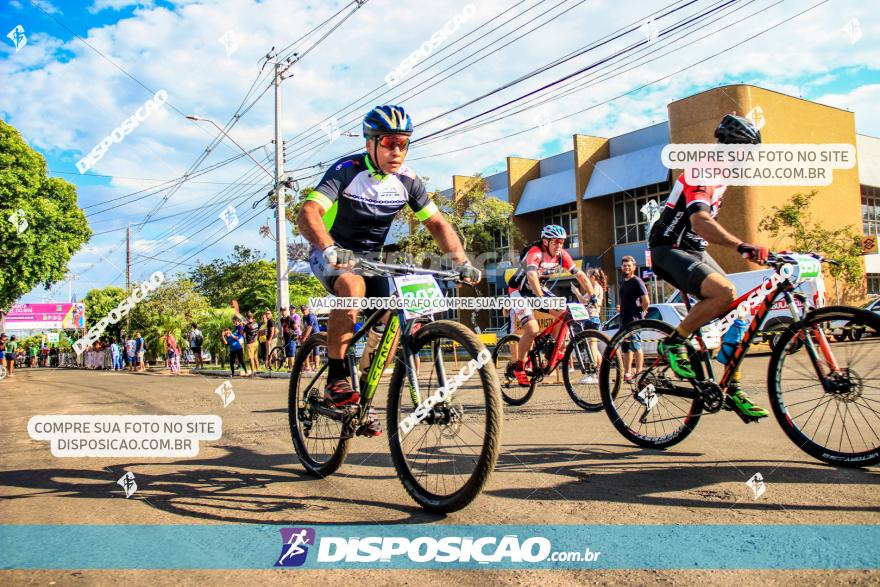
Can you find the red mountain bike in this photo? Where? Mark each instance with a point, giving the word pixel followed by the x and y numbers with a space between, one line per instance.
pixel 577 350
pixel 826 398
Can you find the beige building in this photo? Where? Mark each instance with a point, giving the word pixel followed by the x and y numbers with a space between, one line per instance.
pixel 596 189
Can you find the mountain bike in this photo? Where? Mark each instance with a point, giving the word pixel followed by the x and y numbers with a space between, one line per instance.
pixel 578 351
pixel 825 397
pixel 444 430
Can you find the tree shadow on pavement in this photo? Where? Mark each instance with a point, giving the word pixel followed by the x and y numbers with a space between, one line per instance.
pixel 233 488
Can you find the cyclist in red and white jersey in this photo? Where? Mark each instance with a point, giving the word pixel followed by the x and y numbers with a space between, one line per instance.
pixel 539 263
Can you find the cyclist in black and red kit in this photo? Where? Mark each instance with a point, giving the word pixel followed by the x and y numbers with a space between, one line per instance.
pixel 540 262
pixel 678 244
pixel 351 211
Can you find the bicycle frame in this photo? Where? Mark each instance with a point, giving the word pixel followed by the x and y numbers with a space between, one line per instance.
pixel 783 288
pixel 382 352
pixel 561 323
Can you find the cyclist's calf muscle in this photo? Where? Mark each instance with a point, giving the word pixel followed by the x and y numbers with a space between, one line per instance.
pixel 340 326
pixel 717 293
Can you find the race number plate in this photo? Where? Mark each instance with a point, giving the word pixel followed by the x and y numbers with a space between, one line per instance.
pixel 578 312
pixel 421 295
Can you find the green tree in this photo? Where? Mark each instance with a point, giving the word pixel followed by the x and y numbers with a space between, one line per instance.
pixel 793 222
pixel 212 322
pixel 171 307
pixel 98 303
pixel 475 216
pixel 244 276
pixel 251 280
pixel 56 226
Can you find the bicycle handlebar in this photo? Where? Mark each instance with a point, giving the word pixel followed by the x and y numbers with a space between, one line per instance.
pixel 388 269
pixel 781 258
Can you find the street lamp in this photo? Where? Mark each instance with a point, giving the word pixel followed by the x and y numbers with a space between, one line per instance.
pixel 280 203
pixel 225 134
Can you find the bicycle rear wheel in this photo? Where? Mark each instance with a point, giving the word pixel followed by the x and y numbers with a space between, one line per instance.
pixel 580 369
pixel 502 358
pixel 321 442
pixel 445 448
pixel 837 422
pixel 655 409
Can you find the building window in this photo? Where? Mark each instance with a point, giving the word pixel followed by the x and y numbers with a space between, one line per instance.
pixel 566 217
pixel 873 283
pixel 497 319
pixel 629 223
pixel 501 244
pixel 871 209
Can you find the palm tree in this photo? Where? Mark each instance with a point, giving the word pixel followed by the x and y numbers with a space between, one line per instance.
pixel 212 323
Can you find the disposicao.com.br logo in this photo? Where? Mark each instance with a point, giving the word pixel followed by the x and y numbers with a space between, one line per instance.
pixel 398 551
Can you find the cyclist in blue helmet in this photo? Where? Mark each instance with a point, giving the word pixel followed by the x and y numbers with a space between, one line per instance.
pixel 350 212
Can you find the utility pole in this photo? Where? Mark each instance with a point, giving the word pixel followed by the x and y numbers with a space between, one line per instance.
pixel 279 177
pixel 127 271
pixel 280 203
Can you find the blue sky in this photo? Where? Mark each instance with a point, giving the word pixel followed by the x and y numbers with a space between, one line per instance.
pixel 64 96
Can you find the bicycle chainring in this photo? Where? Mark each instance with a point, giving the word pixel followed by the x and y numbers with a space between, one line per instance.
pixel 711 396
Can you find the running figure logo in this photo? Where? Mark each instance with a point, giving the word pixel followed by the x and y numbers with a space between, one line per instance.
pixel 18 38
pixel 294 549
pixel 128 483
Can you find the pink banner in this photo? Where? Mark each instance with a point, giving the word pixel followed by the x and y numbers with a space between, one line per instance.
pixel 60 315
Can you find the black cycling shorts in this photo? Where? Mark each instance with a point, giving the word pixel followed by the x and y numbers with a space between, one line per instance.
pixel 685 270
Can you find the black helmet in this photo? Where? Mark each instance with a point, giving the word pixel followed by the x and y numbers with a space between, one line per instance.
pixel 737 130
pixel 387 120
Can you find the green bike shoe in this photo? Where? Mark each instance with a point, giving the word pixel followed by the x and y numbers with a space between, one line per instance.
pixel 738 401
pixel 677 357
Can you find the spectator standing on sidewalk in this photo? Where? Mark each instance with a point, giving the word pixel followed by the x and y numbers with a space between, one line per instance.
pixel 310 326
pixel 196 340
pixel 140 351
pixel 11 348
pixel 251 333
pixel 634 303
pixel 172 352
pixel 233 340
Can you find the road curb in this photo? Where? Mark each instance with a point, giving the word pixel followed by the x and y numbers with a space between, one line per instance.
pixel 224 374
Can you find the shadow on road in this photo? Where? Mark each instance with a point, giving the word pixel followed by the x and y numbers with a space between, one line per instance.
pixel 233 488
pixel 637 476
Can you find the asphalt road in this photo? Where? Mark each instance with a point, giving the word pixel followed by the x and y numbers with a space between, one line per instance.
pixel 559 465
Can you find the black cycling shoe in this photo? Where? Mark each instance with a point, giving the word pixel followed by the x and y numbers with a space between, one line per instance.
pixel 340 393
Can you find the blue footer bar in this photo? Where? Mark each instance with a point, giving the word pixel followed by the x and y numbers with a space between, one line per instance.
pixel 439 546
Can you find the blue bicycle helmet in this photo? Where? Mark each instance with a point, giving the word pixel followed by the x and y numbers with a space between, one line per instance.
pixel 387 120
pixel 553 231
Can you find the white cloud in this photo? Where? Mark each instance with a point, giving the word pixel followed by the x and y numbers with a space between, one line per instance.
pixel 865 102
pixel 68 105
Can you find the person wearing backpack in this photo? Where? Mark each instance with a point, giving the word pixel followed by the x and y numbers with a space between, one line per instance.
pixel 538 262
pixel 196 339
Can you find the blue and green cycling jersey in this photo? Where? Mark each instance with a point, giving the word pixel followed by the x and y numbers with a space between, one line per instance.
pixel 360 203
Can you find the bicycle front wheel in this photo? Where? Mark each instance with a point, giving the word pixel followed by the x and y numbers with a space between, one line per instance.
pixel 650 407
pixel 835 416
pixel 580 369
pixel 445 448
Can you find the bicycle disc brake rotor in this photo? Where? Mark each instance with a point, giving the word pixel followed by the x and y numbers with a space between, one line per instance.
pixel 453 413
pixel 846 385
